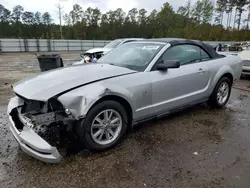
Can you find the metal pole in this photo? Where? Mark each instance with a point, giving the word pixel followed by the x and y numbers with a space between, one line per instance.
pixel 49 45
pixel 37 45
pixel 54 45
pixel 20 46
pixel 60 17
pixel 25 42
pixel 68 44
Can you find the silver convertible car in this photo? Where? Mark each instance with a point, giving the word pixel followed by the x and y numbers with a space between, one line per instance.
pixel 133 83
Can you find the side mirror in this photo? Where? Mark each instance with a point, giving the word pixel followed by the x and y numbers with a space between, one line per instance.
pixel 169 64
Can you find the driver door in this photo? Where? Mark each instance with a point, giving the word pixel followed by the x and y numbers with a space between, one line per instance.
pixel 182 86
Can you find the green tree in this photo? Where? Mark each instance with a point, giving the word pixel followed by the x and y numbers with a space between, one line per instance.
pixel 38 17
pixel 17 13
pixel 220 8
pixel 151 24
pixel 76 14
pixel 247 20
pixel 165 21
pixel 46 17
pixel 186 10
pixel 28 17
pixel 92 16
pixel 240 4
pixel 207 11
pixel 67 19
pixel 189 21
pixel 5 14
pixel 197 11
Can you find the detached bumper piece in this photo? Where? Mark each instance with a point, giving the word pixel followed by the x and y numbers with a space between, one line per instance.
pixel 37 132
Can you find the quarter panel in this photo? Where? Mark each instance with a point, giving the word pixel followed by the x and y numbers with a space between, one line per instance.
pixel 218 67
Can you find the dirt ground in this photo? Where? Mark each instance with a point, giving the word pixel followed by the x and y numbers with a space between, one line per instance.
pixel 198 147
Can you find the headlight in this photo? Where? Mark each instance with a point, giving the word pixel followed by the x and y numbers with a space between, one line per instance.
pixel 67 111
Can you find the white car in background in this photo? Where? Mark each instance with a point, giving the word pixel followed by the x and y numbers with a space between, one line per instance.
pixel 94 54
pixel 245 56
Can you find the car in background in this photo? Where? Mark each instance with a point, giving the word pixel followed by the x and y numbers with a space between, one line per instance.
pixel 94 54
pixel 134 82
pixel 245 56
pixel 222 48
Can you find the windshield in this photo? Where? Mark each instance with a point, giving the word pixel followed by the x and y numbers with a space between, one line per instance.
pixel 113 44
pixel 135 56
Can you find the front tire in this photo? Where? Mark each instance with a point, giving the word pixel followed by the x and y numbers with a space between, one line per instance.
pixel 104 126
pixel 221 93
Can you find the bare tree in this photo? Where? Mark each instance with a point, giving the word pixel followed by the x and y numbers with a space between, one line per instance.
pixel 59 7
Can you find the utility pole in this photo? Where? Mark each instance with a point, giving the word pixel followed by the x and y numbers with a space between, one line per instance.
pixel 59 7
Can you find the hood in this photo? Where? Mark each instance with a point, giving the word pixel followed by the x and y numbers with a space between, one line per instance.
pixel 50 83
pixel 94 50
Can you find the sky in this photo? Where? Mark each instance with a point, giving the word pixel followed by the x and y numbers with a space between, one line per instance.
pixel 104 5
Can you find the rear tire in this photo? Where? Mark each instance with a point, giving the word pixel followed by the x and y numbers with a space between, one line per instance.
pixel 221 93
pixel 98 133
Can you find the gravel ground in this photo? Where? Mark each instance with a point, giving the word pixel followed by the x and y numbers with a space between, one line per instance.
pixel 198 147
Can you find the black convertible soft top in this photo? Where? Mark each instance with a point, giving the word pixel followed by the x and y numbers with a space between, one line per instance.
pixel 177 41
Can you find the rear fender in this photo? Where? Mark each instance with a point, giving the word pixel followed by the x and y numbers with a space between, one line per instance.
pixel 223 70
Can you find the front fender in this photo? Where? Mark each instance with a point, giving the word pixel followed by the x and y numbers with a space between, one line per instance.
pixel 80 100
pixel 13 103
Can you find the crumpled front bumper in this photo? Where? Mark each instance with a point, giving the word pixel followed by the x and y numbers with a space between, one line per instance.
pixel 30 142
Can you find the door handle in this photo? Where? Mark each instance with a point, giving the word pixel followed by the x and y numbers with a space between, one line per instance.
pixel 201 71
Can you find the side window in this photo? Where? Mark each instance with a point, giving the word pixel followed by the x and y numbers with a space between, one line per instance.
pixel 186 54
pixel 204 56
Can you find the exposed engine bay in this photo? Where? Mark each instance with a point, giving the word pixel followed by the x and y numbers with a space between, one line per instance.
pixel 49 120
pixel 91 57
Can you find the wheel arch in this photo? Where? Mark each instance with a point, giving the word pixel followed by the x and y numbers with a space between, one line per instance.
pixel 220 74
pixel 224 71
pixel 213 100
pixel 229 76
pixel 127 106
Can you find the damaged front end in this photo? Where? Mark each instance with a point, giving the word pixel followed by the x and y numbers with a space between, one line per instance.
pixel 92 57
pixel 89 57
pixel 40 127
